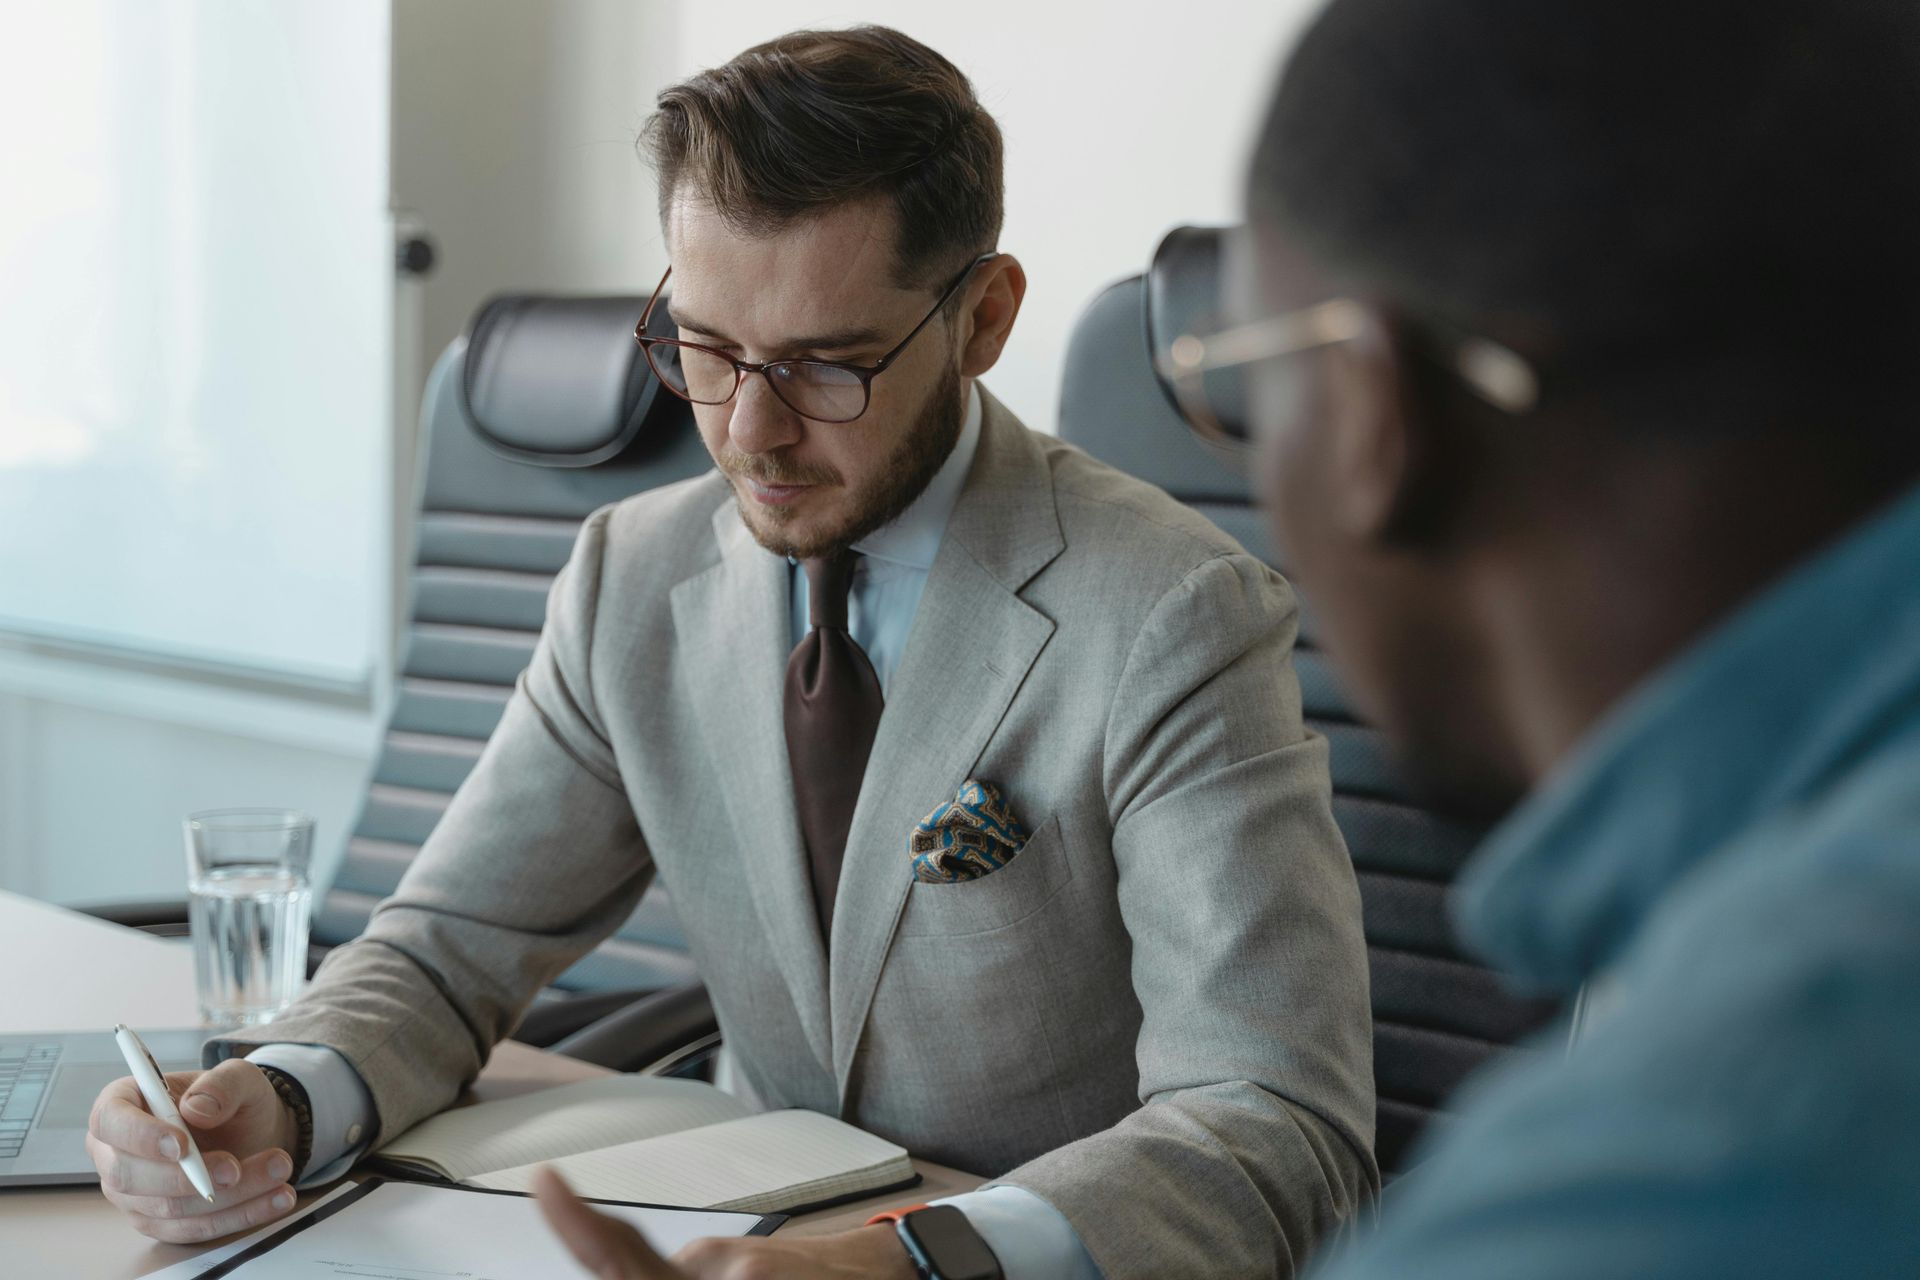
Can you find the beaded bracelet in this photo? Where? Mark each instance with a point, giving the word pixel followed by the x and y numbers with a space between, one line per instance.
pixel 295 1097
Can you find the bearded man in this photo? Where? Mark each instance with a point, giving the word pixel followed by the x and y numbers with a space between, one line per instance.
pixel 1138 1002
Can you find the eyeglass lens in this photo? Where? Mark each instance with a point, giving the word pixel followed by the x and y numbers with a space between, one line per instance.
pixel 820 391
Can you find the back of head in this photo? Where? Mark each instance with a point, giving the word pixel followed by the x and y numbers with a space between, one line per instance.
pixel 817 119
pixel 1698 215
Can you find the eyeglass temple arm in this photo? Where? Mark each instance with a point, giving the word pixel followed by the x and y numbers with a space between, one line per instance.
pixel 653 300
pixel 1495 373
pixel 1317 326
pixel 887 359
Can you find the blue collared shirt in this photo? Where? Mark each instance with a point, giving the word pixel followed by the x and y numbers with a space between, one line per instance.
pixel 1731 862
pixel 892 567
pixel 1030 1237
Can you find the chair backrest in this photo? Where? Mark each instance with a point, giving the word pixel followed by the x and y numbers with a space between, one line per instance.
pixel 1437 1015
pixel 543 413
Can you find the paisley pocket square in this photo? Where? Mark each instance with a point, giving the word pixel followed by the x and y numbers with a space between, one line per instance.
pixel 972 835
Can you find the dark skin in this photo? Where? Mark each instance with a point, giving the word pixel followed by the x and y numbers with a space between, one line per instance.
pixel 1492 585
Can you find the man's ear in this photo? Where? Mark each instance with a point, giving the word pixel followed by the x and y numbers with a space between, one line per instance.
pixel 1390 454
pixel 993 301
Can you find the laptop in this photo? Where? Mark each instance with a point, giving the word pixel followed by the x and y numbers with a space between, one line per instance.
pixel 47 1086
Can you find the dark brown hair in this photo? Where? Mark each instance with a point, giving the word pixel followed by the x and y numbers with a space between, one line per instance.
pixel 815 119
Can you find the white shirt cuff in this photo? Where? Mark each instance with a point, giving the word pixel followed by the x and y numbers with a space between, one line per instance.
pixel 1032 1239
pixel 342 1108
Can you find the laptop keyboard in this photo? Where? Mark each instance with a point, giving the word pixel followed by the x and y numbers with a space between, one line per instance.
pixel 26 1071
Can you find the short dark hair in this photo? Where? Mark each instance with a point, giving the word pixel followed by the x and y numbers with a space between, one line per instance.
pixel 815 119
pixel 1641 193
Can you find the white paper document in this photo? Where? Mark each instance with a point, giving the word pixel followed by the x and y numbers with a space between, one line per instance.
pixel 200 1264
pixel 409 1231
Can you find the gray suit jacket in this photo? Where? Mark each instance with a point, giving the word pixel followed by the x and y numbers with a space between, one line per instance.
pixel 1155 1016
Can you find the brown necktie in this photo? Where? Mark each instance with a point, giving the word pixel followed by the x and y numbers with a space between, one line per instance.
pixel 832 705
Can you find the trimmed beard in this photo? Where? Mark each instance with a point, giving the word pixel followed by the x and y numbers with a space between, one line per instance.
pixel 922 450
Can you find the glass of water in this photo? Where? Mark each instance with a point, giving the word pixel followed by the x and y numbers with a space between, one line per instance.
pixel 248 904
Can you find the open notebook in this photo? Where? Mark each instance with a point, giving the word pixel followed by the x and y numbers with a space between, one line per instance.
pixel 655 1141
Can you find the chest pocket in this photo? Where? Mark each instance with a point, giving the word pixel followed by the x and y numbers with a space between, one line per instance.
pixel 1007 896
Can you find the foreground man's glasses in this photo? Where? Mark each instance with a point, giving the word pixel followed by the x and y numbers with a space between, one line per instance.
pixel 823 390
pixel 1217 413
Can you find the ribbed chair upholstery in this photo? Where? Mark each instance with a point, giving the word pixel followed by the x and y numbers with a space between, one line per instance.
pixel 1437 1015
pixel 543 413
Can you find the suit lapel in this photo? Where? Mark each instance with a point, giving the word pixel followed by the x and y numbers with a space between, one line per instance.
pixel 732 621
pixel 972 643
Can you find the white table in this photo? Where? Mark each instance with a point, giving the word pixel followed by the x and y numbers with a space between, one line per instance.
pixel 69 972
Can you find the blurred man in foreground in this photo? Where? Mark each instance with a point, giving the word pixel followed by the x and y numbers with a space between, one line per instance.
pixel 1594 444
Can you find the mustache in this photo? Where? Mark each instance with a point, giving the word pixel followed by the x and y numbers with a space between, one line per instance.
pixel 767 469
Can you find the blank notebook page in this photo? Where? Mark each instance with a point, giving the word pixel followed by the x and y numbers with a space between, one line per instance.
pixel 559 1122
pixel 762 1163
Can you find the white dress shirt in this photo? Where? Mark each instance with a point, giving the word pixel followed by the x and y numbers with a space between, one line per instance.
pixel 1031 1238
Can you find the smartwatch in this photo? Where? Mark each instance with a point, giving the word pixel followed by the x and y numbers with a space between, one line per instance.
pixel 942 1243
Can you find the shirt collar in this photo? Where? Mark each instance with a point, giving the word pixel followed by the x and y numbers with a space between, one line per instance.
pixel 912 538
pixel 1795 687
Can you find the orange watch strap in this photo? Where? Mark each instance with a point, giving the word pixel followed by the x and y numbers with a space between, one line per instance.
pixel 894 1215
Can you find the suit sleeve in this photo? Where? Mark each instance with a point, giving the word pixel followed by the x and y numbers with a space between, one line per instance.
pixel 537 859
pixel 1254 1140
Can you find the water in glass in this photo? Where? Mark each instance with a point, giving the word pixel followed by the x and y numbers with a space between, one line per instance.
pixel 249 941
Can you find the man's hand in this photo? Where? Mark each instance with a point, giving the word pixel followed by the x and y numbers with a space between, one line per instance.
pixel 611 1250
pixel 244 1132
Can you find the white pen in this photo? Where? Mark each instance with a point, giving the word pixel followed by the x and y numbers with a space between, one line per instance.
pixel 153 1087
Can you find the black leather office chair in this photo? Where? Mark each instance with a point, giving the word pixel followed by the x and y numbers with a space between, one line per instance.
pixel 545 411
pixel 1437 1015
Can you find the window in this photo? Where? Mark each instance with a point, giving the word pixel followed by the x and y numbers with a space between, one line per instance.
pixel 196 295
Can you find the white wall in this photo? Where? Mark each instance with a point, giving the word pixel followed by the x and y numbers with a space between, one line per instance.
pixel 91 796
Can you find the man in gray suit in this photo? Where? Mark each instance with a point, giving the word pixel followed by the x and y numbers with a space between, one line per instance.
pixel 1071 912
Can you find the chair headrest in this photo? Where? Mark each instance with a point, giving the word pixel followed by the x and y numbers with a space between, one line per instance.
pixel 1113 402
pixel 558 382
pixel 1183 296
